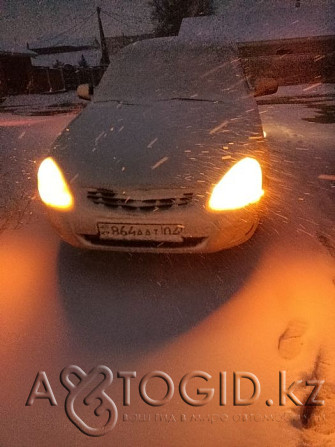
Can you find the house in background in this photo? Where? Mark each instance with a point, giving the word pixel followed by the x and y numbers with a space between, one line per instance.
pixel 293 44
pixel 15 69
pixel 50 65
pixel 75 52
pixel 71 51
pixel 65 63
pixel 68 62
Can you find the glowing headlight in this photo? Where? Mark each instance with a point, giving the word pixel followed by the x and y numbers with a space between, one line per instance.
pixel 52 186
pixel 241 186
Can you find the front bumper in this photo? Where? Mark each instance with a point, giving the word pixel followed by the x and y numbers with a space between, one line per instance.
pixel 204 231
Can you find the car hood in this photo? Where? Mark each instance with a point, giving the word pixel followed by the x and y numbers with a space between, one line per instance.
pixel 165 144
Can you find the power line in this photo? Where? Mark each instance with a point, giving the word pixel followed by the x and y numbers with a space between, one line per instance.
pixel 124 15
pixel 72 28
pixel 58 40
pixel 130 18
pixel 113 18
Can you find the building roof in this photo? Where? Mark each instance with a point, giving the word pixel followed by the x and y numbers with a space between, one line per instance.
pixel 59 42
pixel 12 49
pixel 264 21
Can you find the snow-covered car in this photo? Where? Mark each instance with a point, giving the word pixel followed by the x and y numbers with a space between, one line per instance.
pixel 169 156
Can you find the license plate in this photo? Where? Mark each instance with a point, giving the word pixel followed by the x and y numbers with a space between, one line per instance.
pixel 141 232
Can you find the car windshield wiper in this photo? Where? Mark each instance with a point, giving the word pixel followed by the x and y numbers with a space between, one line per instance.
pixel 187 98
pixel 150 101
pixel 120 101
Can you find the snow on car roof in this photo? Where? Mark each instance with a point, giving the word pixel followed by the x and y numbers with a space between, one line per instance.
pixel 170 68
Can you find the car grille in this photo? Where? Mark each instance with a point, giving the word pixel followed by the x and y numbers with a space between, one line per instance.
pixel 162 201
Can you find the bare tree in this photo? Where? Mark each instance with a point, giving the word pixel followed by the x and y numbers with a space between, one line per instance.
pixel 167 15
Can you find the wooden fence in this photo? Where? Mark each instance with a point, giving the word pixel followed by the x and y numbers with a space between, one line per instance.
pixel 44 79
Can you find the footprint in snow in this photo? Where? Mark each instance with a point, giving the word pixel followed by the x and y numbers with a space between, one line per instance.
pixel 291 340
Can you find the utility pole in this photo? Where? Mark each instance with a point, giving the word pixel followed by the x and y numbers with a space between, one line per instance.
pixel 104 50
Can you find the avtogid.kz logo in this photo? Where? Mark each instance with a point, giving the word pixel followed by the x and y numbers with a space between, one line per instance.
pixel 89 391
pixel 106 404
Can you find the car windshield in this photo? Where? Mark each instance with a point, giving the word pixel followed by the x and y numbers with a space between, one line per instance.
pixel 169 69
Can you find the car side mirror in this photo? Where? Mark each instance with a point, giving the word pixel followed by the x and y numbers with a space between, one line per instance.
pixel 265 86
pixel 85 91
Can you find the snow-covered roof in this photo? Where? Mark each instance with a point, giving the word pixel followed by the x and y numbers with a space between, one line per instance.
pixel 64 41
pixel 264 21
pixel 15 50
pixel 92 58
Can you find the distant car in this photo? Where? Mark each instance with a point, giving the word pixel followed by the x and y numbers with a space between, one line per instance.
pixel 168 157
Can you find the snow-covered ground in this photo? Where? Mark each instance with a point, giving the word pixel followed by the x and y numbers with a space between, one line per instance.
pixel 43 104
pixel 302 93
pixel 305 90
pixel 264 307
